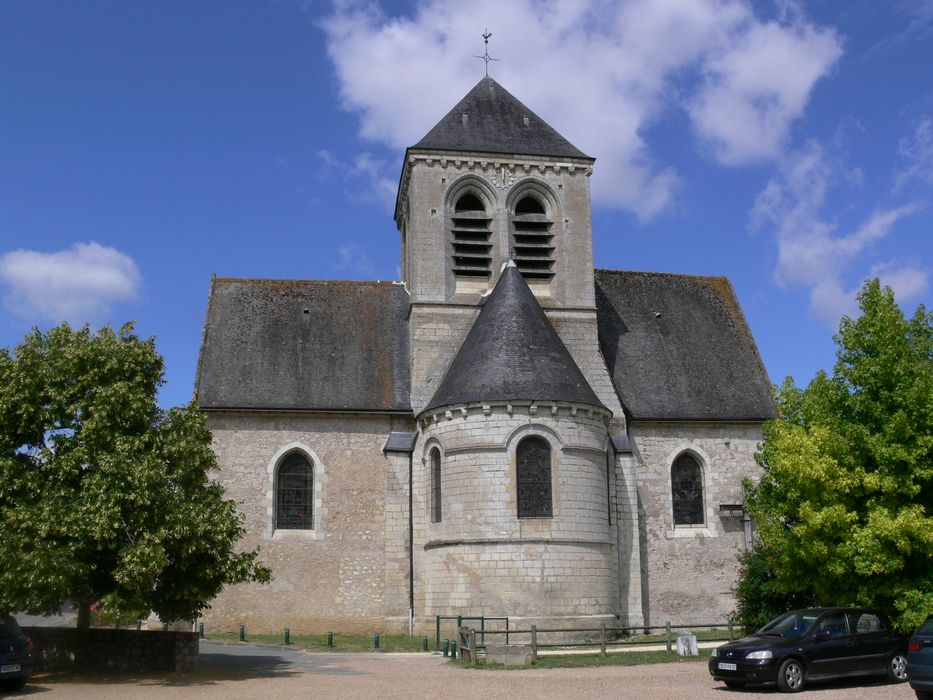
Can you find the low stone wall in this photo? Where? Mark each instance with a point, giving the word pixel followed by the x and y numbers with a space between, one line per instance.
pixel 60 649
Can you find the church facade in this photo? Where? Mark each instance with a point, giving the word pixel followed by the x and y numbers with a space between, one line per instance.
pixel 505 432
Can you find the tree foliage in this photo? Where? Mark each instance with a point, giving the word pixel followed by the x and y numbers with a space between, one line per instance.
pixel 845 504
pixel 103 496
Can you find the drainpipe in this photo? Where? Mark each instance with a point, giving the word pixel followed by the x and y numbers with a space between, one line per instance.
pixel 411 542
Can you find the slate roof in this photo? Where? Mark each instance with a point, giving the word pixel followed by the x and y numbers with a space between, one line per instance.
pixel 678 348
pixel 305 345
pixel 495 122
pixel 512 353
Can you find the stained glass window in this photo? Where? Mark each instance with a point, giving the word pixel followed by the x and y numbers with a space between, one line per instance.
pixel 687 491
pixel 435 485
pixel 533 466
pixel 294 494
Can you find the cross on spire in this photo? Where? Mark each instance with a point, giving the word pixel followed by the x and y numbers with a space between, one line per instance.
pixel 486 57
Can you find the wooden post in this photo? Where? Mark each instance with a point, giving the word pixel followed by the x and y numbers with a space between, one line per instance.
pixel 602 640
pixel 534 643
pixel 731 635
pixel 667 627
pixel 472 647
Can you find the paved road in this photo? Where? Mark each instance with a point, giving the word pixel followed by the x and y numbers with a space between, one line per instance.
pixel 247 671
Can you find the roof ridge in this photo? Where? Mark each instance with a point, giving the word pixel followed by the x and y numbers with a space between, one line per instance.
pixel 512 352
pixel 490 119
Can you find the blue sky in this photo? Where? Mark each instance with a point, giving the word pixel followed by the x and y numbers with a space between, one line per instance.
pixel 144 146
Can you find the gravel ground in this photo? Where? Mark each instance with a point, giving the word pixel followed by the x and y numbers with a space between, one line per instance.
pixel 244 671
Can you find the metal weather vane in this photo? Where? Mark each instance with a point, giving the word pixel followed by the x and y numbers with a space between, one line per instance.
pixel 486 57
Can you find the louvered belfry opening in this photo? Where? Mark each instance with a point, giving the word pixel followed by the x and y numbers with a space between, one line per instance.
pixel 532 240
pixel 472 251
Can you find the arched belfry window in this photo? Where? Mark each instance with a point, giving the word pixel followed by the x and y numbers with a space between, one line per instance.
pixel 294 493
pixel 532 240
pixel 469 234
pixel 533 472
pixel 436 512
pixel 687 490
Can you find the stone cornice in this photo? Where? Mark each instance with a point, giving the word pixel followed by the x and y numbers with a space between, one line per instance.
pixel 501 170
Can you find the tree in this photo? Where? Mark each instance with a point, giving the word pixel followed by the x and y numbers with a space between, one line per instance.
pixel 103 496
pixel 845 504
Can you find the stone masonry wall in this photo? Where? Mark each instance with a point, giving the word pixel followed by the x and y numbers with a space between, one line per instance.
pixel 331 577
pixel 688 572
pixel 481 559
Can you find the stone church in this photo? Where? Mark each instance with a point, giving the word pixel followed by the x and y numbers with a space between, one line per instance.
pixel 507 431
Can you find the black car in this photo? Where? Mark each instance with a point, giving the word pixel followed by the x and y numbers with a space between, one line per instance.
pixel 920 660
pixel 15 655
pixel 814 644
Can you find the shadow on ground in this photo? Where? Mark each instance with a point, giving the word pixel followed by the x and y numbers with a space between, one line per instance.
pixel 216 663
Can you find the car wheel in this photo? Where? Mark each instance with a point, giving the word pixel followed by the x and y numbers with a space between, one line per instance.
pixel 11 685
pixel 734 685
pixel 897 668
pixel 790 676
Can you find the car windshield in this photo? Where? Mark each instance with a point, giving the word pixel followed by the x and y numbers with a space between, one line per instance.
pixel 792 624
pixel 8 626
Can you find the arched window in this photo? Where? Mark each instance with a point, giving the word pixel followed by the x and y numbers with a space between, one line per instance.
pixel 533 470
pixel 294 493
pixel 687 490
pixel 436 513
pixel 469 234
pixel 532 240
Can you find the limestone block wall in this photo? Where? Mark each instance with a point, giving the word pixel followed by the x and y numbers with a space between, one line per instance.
pixel 481 559
pixel 688 572
pixel 437 332
pixel 331 577
pixel 428 180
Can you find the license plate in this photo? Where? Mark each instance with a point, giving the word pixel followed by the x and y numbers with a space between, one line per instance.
pixel 723 666
pixel 10 668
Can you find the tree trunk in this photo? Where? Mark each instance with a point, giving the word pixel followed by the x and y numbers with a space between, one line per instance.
pixel 84 616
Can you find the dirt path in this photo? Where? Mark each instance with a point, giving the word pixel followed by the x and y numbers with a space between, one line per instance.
pixel 265 673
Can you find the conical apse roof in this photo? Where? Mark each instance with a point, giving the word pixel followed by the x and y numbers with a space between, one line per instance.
pixel 491 120
pixel 512 353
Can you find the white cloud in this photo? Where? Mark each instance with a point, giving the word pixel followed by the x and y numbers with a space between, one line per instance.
pixel 917 151
pixel 907 280
pixel 76 285
pixel 353 259
pixel 377 184
pixel 600 73
pixel 812 252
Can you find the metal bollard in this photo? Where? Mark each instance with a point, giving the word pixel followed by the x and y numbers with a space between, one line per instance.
pixel 117 622
pixel 165 627
pixel 201 630
pixel 242 633
pixel 602 640
pixel 288 638
pixel 667 628
pixel 731 632
pixel 446 647
pixel 139 625
pixel 424 644
pixel 453 649
pixel 330 640
pixel 534 643
pixel 376 640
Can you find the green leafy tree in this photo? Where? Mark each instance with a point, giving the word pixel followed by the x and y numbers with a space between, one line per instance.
pixel 103 496
pixel 758 593
pixel 845 504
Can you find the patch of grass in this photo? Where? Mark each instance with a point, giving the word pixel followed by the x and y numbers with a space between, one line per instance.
pixel 318 642
pixel 629 658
